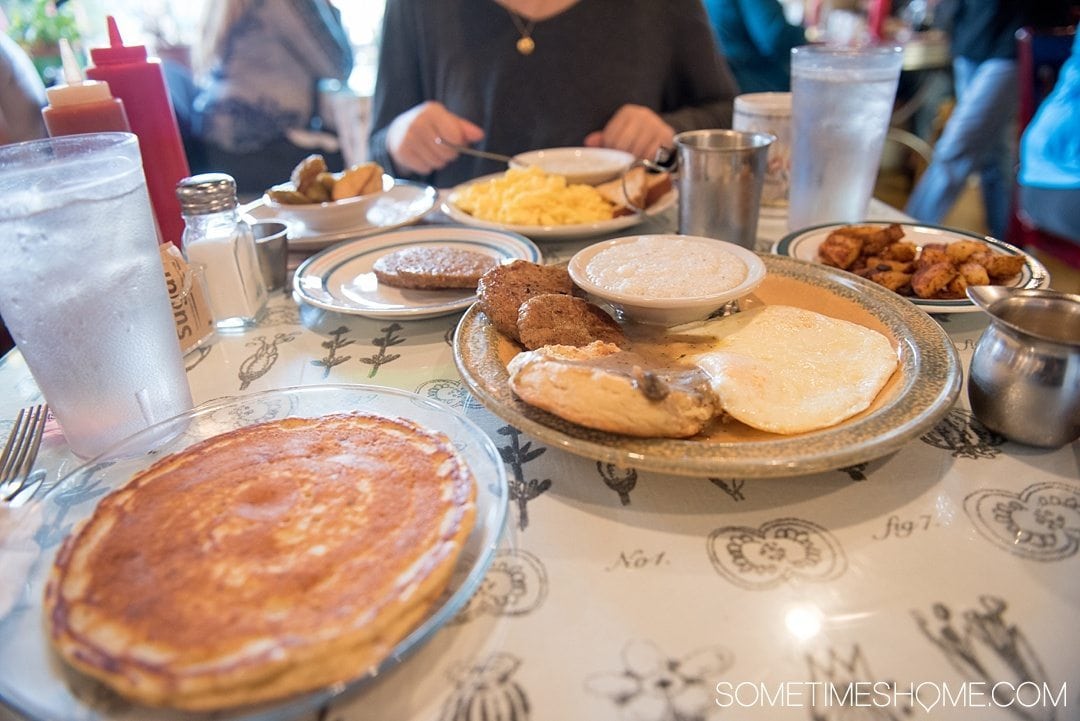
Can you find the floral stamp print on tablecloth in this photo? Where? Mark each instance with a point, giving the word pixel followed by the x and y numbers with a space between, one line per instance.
pixel 782 550
pixel 961 433
pixel 1041 522
pixel 516 584
pixel 487 691
pixel 983 645
pixel 450 391
pixel 654 687
pixel 842 677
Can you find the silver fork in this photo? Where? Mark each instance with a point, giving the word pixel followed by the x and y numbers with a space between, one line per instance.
pixel 21 450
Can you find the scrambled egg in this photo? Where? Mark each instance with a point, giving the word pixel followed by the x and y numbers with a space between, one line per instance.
pixel 529 196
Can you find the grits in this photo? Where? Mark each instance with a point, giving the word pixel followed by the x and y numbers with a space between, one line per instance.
pixel 665 267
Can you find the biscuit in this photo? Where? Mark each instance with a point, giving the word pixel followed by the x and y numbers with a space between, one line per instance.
pixel 433 267
pixel 559 319
pixel 362 179
pixel 502 291
pixel 603 387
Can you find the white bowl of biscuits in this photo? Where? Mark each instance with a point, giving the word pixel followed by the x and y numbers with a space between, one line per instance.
pixel 325 201
pixel 666 279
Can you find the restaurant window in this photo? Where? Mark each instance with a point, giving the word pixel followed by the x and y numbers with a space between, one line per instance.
pixel 170 28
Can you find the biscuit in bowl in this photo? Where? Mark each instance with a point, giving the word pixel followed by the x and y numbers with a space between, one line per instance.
pixel 270 560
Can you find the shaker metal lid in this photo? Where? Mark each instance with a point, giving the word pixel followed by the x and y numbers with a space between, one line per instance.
pixel 206 193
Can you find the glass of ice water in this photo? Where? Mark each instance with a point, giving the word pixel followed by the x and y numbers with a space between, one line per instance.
pixel 82 288
pixel 841 102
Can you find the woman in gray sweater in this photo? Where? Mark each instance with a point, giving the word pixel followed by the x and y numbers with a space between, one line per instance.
pixel 514 75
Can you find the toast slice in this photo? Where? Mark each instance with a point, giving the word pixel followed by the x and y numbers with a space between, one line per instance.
pixel 636 190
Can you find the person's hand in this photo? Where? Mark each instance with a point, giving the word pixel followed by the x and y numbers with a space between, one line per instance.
pixel 411 137
pixel 635 129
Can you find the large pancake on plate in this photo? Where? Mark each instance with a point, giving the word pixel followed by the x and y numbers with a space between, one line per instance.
pixel 269 560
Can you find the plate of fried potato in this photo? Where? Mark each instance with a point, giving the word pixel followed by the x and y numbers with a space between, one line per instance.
pixel 930 265
pixel 544 206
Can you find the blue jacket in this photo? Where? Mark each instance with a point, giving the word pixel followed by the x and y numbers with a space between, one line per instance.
pixel 756 39
pixel 1050 146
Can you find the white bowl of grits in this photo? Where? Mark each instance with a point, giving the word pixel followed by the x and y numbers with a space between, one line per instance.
pixel 666 279
pixel 589 166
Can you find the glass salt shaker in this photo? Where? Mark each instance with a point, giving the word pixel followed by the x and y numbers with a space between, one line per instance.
pixel 218 239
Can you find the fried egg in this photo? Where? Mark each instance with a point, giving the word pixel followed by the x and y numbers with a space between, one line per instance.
pixel 788 370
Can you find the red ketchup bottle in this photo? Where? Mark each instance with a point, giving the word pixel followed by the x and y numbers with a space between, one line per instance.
pixel 140 84
pixel 81 106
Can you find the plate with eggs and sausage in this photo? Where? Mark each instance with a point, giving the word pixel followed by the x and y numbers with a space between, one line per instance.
pixel 816 369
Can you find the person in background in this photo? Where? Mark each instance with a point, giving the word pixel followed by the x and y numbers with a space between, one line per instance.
pixel 22 95
pixel 756 40
pixel 976 138
pixel 252 105
pixel 517 75
pixel 1050 156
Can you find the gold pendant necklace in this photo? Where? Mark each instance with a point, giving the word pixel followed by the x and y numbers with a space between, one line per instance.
pixel 525 44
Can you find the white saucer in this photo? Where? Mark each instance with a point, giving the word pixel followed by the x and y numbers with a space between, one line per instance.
pixel 341 278
pixel 403 204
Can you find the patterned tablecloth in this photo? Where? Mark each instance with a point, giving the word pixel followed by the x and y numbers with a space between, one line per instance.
pixel 943 580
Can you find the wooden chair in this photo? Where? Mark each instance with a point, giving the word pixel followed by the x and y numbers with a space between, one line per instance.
pixel 1040 54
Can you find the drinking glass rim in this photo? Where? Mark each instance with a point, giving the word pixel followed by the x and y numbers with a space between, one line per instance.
pixel 859 51
pixel 753 139
pixel 32 150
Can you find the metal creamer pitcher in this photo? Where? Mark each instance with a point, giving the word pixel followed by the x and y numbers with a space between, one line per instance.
pixel 1024 379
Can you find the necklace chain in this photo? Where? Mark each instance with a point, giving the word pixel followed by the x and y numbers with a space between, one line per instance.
pixel 525 44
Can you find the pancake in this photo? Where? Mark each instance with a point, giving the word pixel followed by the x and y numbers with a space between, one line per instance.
pixel 266 561
pixel 788 370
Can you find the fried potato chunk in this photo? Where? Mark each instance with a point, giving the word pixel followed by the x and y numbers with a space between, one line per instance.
pixel 959 252
pixel 932 254
pixel 1002 267
pixel 840 250
pixel 894 280
pixel 901 251
pixel 929 280
pixel 974 273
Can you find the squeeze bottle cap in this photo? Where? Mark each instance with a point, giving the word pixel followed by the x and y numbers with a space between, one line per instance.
pixel 117 53
pixel 78 90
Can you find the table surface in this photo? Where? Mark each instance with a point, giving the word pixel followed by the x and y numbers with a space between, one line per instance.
pixel 947 567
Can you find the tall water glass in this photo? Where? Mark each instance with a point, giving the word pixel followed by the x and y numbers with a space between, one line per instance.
pixel 841 102
pixel 82 288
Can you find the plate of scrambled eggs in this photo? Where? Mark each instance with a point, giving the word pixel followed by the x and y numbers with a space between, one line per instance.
pixel 543 206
